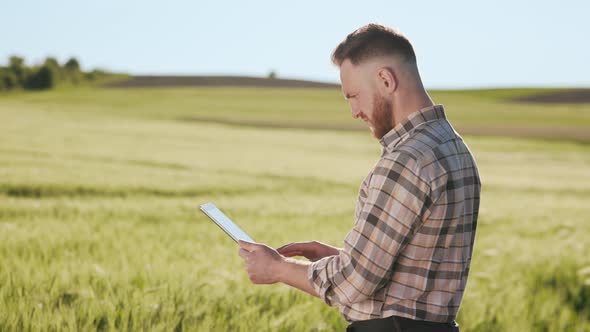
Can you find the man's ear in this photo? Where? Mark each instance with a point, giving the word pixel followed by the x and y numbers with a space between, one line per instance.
pixel 386 80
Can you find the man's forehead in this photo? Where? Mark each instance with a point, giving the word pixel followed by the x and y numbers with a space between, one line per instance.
pixel 347 68
pixel 348 73
pixel 347 80
pixel 352 75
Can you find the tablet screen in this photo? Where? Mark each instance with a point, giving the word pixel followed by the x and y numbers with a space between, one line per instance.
pixel 235 232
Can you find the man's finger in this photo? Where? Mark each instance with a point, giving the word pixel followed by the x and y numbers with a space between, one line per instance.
pixel 250 246
pixel 291 253
pixel 290 247
pixel 243 253
pixel 284 246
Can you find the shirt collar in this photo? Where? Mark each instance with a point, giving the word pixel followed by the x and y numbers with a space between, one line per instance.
pixel 416 119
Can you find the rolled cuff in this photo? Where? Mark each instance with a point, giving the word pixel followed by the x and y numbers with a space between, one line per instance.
pixel 318 276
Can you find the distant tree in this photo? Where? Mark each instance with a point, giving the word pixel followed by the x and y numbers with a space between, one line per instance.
pixel 2 84
pixel 272 74
pixel 95 74
pixel 16 61
pixel 45 77
pixel 72 64
pixel 16 64
pixel 72 70
pixel 17 75
pixel 8 80
pixel 52 63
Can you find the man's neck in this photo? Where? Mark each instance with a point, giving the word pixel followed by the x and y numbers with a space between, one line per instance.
pixel 409 103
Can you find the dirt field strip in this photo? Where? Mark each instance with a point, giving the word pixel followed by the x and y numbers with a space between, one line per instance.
pixel 215 81
pixel 566 96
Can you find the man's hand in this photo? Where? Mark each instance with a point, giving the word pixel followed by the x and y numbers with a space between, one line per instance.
pixel 262 262
pixel 312 250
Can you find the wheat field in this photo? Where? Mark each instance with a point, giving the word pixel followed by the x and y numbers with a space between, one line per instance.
pixel 100 228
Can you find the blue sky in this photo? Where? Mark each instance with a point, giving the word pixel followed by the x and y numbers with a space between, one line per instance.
pixel 459 44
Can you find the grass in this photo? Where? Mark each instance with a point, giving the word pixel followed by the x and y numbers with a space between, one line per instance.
pixel 305 107
pixel 100 230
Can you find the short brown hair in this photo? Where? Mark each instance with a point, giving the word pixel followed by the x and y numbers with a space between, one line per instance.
pixel 370 41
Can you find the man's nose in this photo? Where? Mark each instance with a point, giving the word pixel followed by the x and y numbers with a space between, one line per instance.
pixel 356 112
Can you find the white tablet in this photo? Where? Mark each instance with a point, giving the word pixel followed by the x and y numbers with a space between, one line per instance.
pixel 228 226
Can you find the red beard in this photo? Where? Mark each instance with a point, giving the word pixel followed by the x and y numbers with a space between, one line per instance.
pixel 382 119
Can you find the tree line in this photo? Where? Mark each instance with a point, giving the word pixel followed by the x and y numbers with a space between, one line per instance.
pixel 18 76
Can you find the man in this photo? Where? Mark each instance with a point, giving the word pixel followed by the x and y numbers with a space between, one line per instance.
pixel 404 264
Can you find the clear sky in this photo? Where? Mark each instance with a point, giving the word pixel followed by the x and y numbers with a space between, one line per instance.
pixel 459 44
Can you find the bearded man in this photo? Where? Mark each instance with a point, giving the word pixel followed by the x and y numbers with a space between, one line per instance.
pixel 405 262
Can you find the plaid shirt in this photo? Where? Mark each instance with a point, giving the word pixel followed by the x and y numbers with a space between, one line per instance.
pixel 409 251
